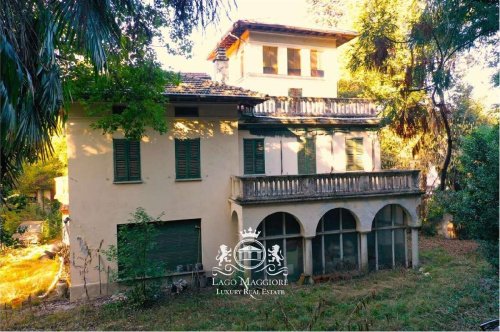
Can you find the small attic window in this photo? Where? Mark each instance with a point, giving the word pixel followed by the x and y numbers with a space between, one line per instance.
pixel 186 112
pixel 295 92
pixel 118 108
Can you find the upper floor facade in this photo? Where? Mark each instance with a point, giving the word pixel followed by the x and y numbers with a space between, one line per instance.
pixel 280 60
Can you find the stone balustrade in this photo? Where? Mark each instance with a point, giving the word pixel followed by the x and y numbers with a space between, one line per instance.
pixel 323 186
pixel 314 107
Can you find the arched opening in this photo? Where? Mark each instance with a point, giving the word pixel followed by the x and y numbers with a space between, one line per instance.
pixel 283 229
pixel 234 228
pixel 336 244
pixel 388 240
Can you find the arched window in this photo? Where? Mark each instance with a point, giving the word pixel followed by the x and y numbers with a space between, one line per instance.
pixel 387 242
pixel 336 245
pixel 284 230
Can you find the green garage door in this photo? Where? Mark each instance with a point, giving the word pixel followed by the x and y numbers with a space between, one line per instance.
pixel 177 243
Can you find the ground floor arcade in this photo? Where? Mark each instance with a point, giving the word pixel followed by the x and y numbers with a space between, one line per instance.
pixel 326 237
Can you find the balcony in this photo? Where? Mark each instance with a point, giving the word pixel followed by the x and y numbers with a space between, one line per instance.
pixel 261 189
pixel 314 107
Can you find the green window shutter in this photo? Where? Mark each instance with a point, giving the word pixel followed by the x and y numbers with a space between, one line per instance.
pixel 134 161
pixel 194 158
pixel 120 159
pixel 306 157
pixel 354 152
pixel 260 165
pixel 187 159
pixel 254 156
pixel 248 157
pixel 127 160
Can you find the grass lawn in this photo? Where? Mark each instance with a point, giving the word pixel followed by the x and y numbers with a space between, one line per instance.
pixel 22 274
pixel 456 290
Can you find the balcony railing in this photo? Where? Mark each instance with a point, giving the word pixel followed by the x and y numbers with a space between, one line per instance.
pixel 314 107
pixel 247 189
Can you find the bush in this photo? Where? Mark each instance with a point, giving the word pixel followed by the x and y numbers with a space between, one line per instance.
pixel 18 210
pixel 474 205
pixel 136 244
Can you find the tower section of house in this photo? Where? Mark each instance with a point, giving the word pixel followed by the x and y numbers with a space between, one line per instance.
pixel 282 60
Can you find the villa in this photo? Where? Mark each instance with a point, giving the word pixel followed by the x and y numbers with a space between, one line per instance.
pixel 265 144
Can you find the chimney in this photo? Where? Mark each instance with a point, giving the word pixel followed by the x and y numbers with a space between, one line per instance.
pixel 221 65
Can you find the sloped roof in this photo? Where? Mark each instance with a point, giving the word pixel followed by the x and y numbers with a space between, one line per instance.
pixel 198 86
pixel 240 26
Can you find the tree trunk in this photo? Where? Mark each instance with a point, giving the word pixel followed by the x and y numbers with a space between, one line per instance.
pixel 443 110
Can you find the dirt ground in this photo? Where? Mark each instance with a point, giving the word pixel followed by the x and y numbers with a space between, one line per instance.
pixel 453 247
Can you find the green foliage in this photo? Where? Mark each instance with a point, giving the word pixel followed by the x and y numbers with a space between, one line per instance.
pixel 136 88
pixel 19 209
pixel 404 58
pixel 40 174
pixel 136 244
pixel 39 42
pixel 474 205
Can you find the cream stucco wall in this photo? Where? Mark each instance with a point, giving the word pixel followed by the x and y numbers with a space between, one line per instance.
pixel 278 85
pixel 97 205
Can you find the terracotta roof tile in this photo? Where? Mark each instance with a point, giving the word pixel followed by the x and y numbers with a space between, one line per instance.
pixel 200 84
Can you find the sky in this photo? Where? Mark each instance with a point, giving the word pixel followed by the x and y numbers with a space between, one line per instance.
pixel 296 12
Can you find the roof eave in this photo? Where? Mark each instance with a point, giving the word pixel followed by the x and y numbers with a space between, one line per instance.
pixel 241 100
pixel 345 36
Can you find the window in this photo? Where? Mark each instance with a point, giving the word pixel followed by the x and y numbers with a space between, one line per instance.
pixel 177 243
pixel 270 59
pixel 253 156
pixel 283 229
pixel 295 92
pixel 187 159
pixel 307 156
pixel 293 61
pixel 387 241
pixel 354 152
pixel 186 112
pixel 316 64
pixel 335 246
pixel 127 160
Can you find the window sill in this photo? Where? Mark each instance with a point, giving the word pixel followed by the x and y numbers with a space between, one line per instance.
pixel 285 76
pixel 128 182
pixel 188 180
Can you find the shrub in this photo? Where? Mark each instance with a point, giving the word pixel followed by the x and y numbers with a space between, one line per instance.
pixel 136 244
pixel 474 205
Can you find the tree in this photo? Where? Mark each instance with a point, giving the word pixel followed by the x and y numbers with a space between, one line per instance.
pixel 39 37
pixel 130 98
pixel 40 175
pixel 418 82
pixel 444 29
pixel 475 205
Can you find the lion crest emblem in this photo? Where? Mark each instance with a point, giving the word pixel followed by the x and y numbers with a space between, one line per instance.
pixel 224 254
pixel 275 254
